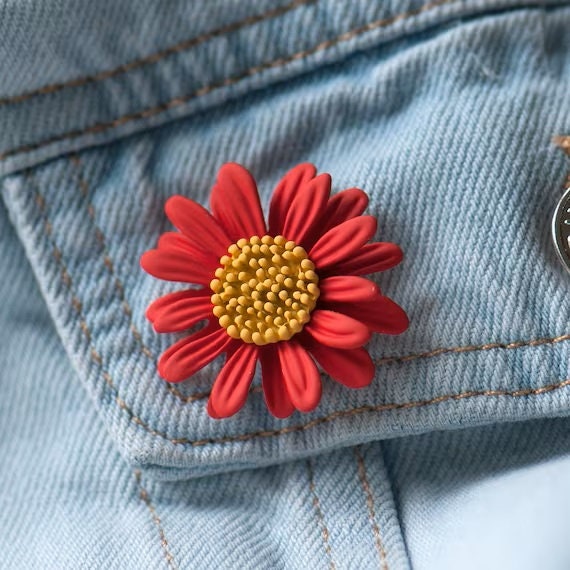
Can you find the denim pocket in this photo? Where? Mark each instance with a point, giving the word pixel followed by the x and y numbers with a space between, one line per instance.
pixel 450 136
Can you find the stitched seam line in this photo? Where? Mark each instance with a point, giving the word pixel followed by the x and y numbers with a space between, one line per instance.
pixel 472 348
pixel 252 71
pixel 157 56
pixel 374 408
pixel 145 498
pixel 119 286
pixel 319 514
pixel 77 306
pixel 371 508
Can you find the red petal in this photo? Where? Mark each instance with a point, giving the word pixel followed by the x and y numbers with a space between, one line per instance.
pixel 353 368
pixel 192 353
pixel 180 311
pixel 232 384
pixel 235 203
pixel 301 376
pixel 274 390
pixel 344 206
pixel 196 223
pixel 307 208
pixel 380 314
pixel 176 265
pixel 284 194
pixel 337 330
pixel 177 242
pixel 163 302
pixel 371 258
pixel 347 289
pixel 342 241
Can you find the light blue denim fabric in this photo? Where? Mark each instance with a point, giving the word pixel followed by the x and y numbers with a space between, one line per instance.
pixel 445 114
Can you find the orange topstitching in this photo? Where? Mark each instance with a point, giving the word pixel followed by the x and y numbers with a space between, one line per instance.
pixel 325 533
pixel 252 71
pixel 363 476
pixel 156 56
pixel 145 498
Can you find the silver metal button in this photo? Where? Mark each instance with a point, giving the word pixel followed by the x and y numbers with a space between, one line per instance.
pixel 561 229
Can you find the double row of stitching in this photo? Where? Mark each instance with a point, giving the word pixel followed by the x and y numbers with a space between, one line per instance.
pixel 78 308
pixel 119 286
pixel 227 82
pixel 370 504
pixel 156 57
pixel 325 533
pixel 145 498
pixel 353 412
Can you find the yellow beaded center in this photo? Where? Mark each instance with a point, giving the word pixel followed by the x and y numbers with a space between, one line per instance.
pixel 265 290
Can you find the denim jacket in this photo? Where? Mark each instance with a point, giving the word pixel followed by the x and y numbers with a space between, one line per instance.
pixel 452 116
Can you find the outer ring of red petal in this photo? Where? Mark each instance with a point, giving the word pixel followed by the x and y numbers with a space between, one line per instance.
pixel 187 356
pixel 344 206
pixel 301 376
pixel 180 311
pixel 347 289
pixel 169 265
pixel 353 368
pixel 274 390
pixel 371 258
pixel 342 241
pixel 231 386
pixel 198 225
pixel 380 314
pixel 235 203
pixel 337 330
pixel 284 194
pixel 307 209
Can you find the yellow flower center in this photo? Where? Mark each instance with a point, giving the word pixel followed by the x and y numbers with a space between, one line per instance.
pixel 265 290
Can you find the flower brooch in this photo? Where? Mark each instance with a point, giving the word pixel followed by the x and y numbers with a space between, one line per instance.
pixel 288 293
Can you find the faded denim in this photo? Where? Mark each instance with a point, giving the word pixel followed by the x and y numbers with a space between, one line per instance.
pixel 445 113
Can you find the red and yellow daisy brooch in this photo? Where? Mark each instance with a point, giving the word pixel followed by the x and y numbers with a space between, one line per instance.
pixel 289 293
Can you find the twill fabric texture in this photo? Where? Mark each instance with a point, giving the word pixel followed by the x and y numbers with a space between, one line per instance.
pixel 453 116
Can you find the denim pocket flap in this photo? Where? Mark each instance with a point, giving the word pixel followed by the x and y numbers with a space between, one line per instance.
pixel 456 182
